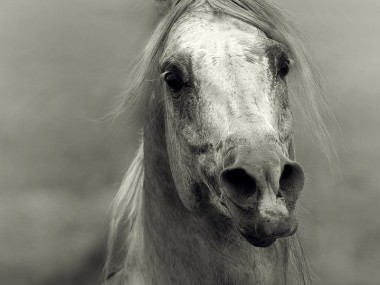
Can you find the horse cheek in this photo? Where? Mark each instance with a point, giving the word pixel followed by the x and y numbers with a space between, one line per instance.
pixel 181 166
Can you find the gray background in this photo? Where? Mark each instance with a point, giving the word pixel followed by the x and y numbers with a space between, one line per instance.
pixel 62 63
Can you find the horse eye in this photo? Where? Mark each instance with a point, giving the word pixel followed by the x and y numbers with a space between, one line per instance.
pixel 284 69
pixel 174 82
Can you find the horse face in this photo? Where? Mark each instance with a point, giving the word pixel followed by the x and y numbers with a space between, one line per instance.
pixel 229 124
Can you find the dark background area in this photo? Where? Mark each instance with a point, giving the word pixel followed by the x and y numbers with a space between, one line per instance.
pixel 63 63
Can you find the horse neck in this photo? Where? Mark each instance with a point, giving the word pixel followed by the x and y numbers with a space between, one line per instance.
pixel 181 247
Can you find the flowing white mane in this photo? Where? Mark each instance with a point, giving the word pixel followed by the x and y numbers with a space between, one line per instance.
pixel 124 211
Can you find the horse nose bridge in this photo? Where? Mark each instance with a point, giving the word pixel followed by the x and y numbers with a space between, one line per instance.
pixel 255 144
pixel 251 123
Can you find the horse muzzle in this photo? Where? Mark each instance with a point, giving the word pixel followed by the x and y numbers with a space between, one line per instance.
pixel 262 187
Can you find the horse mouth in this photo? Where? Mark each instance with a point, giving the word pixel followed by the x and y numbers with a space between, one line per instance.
pixel 256 241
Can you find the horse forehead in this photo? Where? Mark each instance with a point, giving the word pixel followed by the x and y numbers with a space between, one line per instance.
pixel 217 35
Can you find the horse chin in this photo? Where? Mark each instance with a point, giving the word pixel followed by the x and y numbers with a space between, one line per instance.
pixel 258 242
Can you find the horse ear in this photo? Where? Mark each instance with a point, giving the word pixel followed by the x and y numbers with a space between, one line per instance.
pixel 163 6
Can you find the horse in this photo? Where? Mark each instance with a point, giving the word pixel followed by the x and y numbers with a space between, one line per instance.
pixel 211 196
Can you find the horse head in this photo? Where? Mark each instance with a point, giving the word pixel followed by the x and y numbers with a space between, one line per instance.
pixel 228 123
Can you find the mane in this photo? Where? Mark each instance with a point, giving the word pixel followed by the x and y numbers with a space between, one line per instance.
pixel 306 91
pixel 124 212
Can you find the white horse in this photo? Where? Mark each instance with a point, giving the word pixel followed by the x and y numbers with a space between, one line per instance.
pixel 211 196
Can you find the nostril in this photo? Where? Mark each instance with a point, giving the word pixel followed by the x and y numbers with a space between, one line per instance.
pixel 238 183
pixel 292 178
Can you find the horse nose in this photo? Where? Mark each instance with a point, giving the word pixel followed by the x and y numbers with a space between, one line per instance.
pixel 253 175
